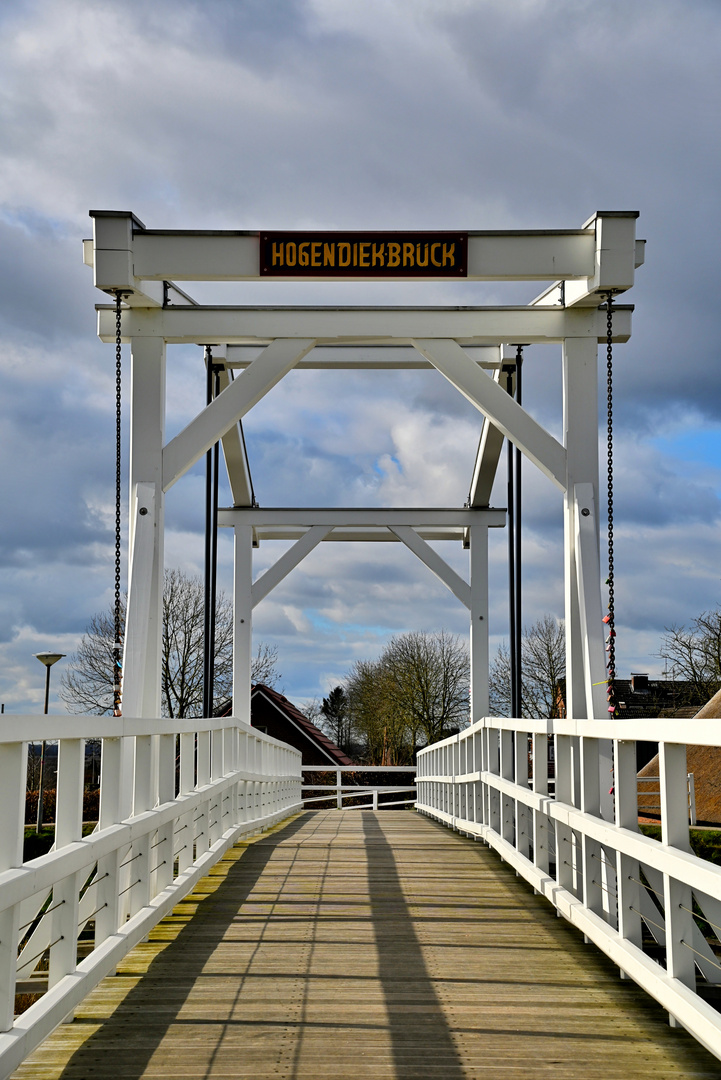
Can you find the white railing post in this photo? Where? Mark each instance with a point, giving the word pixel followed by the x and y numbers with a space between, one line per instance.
pixel 13 780
pixel 339 793
pixel 508 805
pixel 523 815
pixel 678 900
pixel 494 768
pixel 68 829
pixel 564 835
pixel 162 856
pixel 628 880
pixel 202 818
pixel 183 838
pixel 592 859
pixel 541 831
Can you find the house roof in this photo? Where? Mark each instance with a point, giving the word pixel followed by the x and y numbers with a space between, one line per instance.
pixel 705 764
pixel 296 717
pixel 660 697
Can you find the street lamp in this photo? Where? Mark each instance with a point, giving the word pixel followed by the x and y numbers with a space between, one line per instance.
pixel 47 658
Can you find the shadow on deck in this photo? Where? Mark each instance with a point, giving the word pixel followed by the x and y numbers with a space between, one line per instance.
pixel 358 944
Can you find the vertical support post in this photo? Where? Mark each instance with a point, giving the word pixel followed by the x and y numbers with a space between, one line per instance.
pixel 518 546
pixel 202 818
pixel 626 794
pixel 107 919
pixel 142 682
pixel 162 857
pixel 564 835
pixel 678 899
pixel 68 829
pixel 508 804
pixel 580 426
pixel 338 792
pixel 540 786
pixel 478 540
pixel 523 814
pixel 591 852
pixel 147 433
pixel 242 621
pixel 184 835
pixel 13 778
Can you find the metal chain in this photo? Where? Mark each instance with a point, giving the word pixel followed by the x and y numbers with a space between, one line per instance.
pixel 118 633
pixel 611 688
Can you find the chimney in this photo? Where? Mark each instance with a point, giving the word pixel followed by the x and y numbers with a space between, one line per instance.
pixel 639 683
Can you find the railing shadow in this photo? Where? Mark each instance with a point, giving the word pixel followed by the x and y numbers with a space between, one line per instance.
pixel 416 1021
pixel 137 1026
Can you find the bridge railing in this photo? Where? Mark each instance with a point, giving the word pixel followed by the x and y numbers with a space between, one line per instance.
pixel 369 792
pixel 653 907
pixel 174 796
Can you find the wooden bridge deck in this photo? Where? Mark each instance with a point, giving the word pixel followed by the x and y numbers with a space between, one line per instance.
pixel 366 945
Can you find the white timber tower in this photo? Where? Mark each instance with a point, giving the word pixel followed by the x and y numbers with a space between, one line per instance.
pixel 579 267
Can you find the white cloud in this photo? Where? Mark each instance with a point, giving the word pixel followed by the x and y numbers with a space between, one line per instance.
pixel 461 113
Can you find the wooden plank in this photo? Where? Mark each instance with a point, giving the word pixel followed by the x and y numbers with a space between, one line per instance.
pixel 353 945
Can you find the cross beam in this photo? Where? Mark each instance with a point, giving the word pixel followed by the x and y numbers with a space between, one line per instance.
pixel 363 325
pixel 361 518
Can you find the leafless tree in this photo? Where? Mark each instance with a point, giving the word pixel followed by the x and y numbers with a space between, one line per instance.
pixel 87 684
pixel 695 653
pixel 543 664
pixel 414 694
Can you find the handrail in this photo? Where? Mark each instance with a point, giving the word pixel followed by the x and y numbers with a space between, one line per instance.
pixel 341 791
pixel 583 851
pixel 190 788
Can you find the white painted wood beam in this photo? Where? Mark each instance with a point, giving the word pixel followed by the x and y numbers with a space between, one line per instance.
pixel 358 535
pixel 242 621
pixel 181 453
pixel 438 566
pixel 360 517
pixel 236 459
pixel 364 326
pixel 588 573
pixel 506 414
pixel 479 658
pixel 489 449
pixel 140 592
pixel 287 562
pixel 616 257
pixel 362 358
pixel 492 256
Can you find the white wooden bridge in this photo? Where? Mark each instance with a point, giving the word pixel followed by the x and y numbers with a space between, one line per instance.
pixel 211 927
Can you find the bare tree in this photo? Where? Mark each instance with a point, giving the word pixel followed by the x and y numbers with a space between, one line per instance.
pixel 429 678
pixel 87 683
pixel 695 653
pixel 543 664
pixel 414 694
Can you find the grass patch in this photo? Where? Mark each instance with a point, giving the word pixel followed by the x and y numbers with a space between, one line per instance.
pixel 35 844
pixel 705 843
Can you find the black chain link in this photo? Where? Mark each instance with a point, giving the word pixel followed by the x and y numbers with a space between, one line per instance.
pixel 611 688
pixel 118 632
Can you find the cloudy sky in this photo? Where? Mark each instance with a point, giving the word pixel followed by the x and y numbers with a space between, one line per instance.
pixel 458 114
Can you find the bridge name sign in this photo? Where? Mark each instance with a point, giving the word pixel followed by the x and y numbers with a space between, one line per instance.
pixel 364 254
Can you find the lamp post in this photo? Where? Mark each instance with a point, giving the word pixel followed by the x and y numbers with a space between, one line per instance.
pixel 47 658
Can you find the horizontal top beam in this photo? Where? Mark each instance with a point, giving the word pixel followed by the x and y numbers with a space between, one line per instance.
pixel 493 255
pixel 361 525
pixel 355 357
pixel 363 325
pixel 124 255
